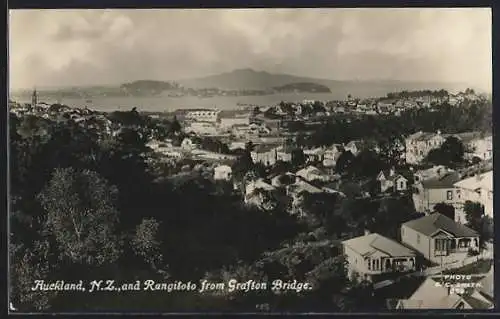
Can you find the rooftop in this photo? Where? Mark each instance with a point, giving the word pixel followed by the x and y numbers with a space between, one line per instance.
pixel 446 180
pixel 422 136
pixel 368 244
pixel 483 181
pixel 487 284
pixel 430 224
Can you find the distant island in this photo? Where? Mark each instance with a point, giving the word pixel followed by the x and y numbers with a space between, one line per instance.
pixel 304 87
pixel 240 82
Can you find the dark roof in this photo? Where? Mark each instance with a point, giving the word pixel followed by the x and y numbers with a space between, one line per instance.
pixel 487 284
pixel 445 181
pixel 475 303
pixel 429 224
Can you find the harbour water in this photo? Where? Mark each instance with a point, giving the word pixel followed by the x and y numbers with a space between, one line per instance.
pixel 165 103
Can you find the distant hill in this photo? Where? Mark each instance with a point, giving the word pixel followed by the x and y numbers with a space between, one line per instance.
pixel 241 79
pixel 247 80
pixel 148 87
pixel 303 87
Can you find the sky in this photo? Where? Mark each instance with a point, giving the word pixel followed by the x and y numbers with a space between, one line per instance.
pixel 93 47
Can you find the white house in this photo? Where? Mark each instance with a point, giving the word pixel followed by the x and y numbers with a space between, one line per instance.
pixel 418 145
pixel 434 294
pixel 478 188
pixel 265 154
pixel 439 239
pixel 187 144
pixel 373 254
pixel 311 173
pixel 390 180
pixel 331 155
pixel 440 189
pixel 203 115
pixel 223 172
pixel 314 154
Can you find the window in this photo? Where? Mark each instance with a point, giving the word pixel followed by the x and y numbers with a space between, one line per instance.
pixel 440 244
pixel 401 185
pixel 369 264
pixel 449 195
pixel 459 193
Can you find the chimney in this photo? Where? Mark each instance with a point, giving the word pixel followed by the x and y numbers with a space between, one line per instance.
pixel 392 171
pixel 367 232
pixel 478 177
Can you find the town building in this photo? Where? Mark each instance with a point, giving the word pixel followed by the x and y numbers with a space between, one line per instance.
pixel 203 115
pixel 439 239
pixel 440 189
pixel 284 153
pixel 391 181
pixel 331 155
pixel 265 154
pixel 434 294
pixel 373 254
pixel 314 154
pixel 223 172
pixel 311 173
pixel 418 145
pixel 479 189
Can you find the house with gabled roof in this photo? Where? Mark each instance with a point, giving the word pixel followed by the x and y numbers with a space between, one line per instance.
pixel 439 189
pixel 311 173
pixel 373 254
pixel 433 294
pixel 439 239
pixel 391 181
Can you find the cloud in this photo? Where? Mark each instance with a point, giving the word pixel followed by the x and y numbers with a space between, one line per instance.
pixel 78 47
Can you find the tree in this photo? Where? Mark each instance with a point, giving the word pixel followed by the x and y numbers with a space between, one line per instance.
pixel 298 157
pixel 445 209
pixel 145 243
pixel 450 153
pixel 344 162
pixel 477 220
pixel 175 127
pixel 367 164
pixel 81 216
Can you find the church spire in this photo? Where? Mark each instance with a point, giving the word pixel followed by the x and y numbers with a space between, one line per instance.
pixel 34 98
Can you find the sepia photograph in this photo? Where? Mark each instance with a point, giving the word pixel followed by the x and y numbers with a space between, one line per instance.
pixel 312 160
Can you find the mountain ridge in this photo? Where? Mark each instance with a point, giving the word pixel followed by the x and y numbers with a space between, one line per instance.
pixel 250 79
